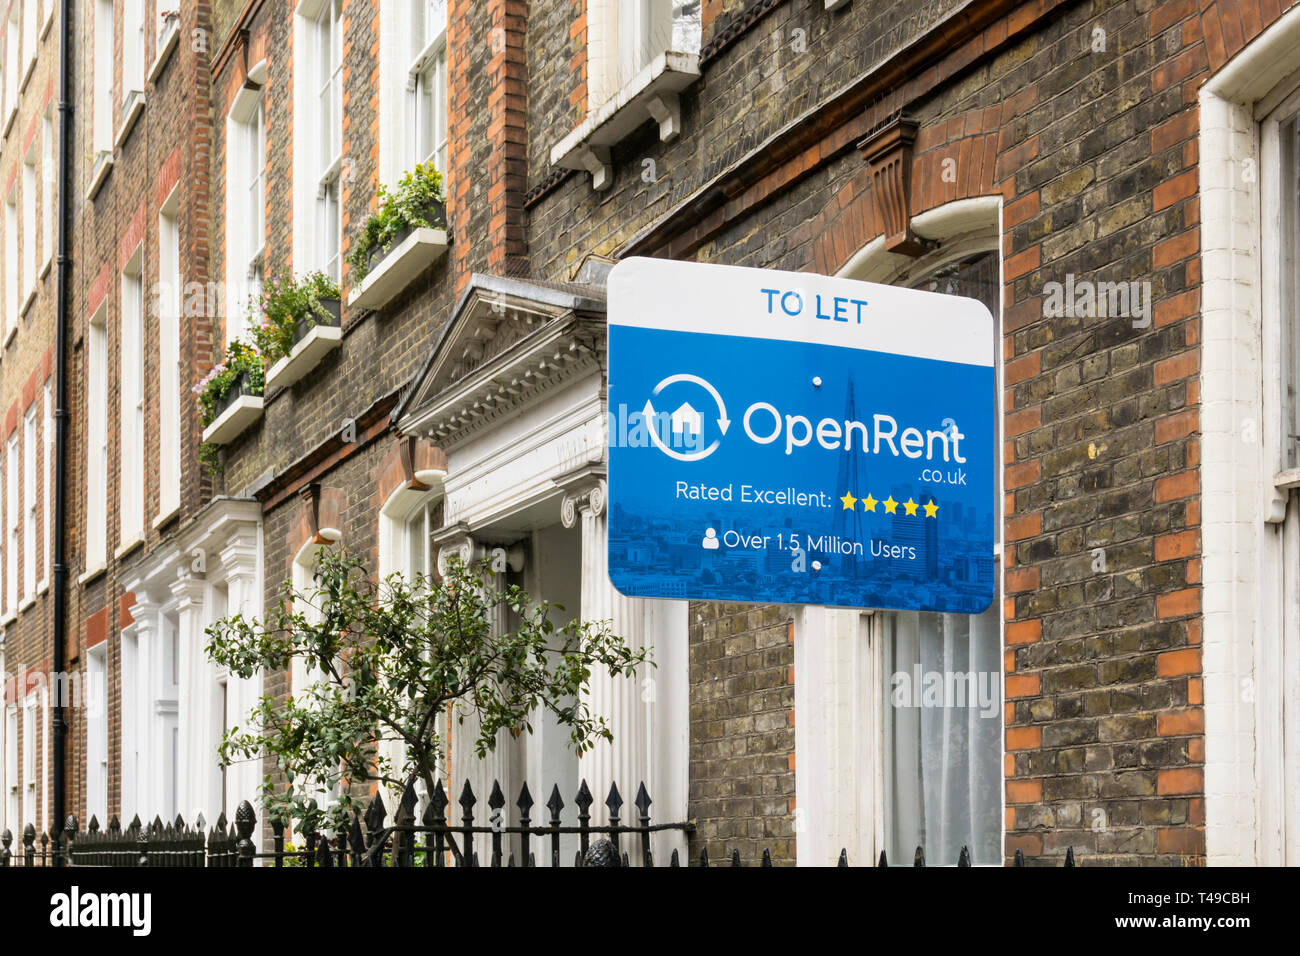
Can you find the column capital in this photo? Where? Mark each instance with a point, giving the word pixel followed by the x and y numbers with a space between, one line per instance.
pixel 454 540
pixel 584 491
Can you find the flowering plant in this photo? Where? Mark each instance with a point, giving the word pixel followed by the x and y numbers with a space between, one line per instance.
pixel 240 357
pixel 415 201
pixel 287 302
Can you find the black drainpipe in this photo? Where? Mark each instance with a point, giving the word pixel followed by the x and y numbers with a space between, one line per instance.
pixel 64 266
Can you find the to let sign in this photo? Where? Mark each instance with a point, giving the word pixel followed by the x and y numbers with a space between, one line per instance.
pixel 791 438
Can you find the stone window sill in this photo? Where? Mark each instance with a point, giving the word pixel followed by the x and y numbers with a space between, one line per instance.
pixel 651 95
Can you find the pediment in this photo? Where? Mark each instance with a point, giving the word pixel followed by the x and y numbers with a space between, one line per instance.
pixel 508 340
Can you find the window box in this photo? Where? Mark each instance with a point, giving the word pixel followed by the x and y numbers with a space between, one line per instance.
pixel 168 36
pixel 390 271
pixel 312 340
pixel 103 162
pixel 132 107
pixel 651 94
pixel 236 411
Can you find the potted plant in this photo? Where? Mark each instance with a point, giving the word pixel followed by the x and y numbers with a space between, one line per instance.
pixel 241 371
pixel 291 308
pixel 417 201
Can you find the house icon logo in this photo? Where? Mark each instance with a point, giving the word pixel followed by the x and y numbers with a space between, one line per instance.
pixel 685 426
pixel 687 421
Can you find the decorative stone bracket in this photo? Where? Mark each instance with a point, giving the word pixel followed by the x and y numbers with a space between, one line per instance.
pixel 888 152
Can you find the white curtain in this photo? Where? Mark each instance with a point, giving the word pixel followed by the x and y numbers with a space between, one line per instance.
pixel 943 726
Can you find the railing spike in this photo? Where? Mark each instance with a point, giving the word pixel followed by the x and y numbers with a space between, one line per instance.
pixel 963 859
pixel 844 857
pixel 1020 858
pixel 1069 856
pixel 919 859
pixel 884 860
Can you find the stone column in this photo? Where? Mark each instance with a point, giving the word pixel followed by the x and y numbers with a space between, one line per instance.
pixel 240 563
pixel 198 780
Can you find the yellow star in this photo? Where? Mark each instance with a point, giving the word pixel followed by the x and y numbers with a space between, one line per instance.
pixel 910 505
pixel 931 509
pixel 849 501
pixel 869 503
pixel 891 506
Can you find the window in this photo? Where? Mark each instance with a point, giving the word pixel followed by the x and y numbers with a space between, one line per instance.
pixel 246 197
pixel 31 468
pixel 132 442
pixel 133 47
pixel 13 60
pixel 104 53
pixel 13 787
pixel 31 17
pixel 169 358
pixel 14 524
pixel 31 746
pixel 47 428
pixel 319 154
pixel 626 35
pixel 96 440
pixel 96 702
pixel 50 173
pixel 426 98
pixel 27 284
pixel 11 263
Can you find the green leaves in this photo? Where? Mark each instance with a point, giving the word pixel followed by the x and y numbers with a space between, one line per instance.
pixel 409 204
pixel 284 304
pixel 388 662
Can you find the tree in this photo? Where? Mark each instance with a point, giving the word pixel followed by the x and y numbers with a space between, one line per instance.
pixel 385 659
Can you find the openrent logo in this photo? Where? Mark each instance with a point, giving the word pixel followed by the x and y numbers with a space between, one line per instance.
pixel 102 910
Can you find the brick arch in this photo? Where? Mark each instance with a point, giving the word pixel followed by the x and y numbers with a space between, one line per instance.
pixel 964 156
pixel 318 507
pixel 395 471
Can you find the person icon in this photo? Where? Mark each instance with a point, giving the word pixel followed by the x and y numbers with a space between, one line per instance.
pixel 710 542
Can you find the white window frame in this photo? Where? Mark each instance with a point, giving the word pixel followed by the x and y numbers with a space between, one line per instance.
pixel 245 199
pixel 134 59
pixel 624 36
pixel 169 358
pixel 49 176
pixel 97 396
pixel 131 386
pixel 318 153
pixel 27 284
pixel 13 783
pixel 13 60
pixel 13 521
pixel 105 52
pixel 31 747
pixel 31 516
pixel 96 704
pixel 47 430
pixel 12 301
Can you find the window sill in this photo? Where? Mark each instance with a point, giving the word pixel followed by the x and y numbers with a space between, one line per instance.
pixel 49 22
pixel 132 107
pixel 9 618
pixel 167 42
pixel 651 94
pixel 99 172
pixel 45 269
pixel 27 74
pixel 9 122
pixel 166 516
pixel 319 341
pixel 130 544
pixel 242 413
pixel 11 335
pixel 26 603
pixel 43 586
pixel 92 573
pixel 397 270
pixel 27 303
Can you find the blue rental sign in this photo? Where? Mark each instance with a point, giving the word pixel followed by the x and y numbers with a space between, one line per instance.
pixel 790 438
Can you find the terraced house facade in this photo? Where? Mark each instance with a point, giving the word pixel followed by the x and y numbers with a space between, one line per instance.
pixel 1116 181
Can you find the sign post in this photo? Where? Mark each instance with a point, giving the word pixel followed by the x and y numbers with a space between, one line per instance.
pixel 779 437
